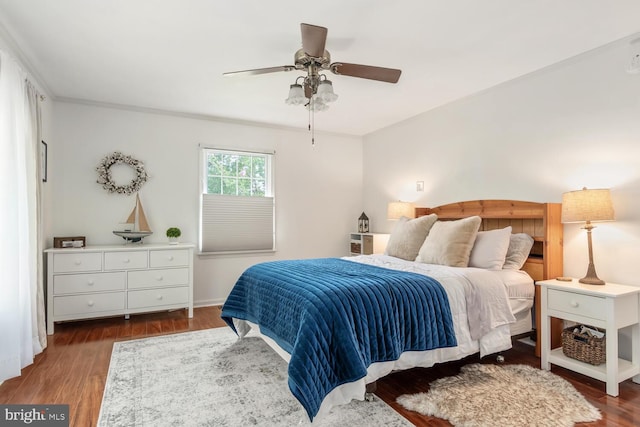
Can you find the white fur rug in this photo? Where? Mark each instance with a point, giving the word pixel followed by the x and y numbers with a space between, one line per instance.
pixel 505 395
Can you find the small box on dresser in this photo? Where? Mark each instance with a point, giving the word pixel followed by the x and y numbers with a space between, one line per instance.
pixel 101 281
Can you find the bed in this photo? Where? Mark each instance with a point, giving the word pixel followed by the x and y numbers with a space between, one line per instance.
pixel 434 296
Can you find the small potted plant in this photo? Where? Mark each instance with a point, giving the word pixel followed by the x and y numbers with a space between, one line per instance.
pixel 173 233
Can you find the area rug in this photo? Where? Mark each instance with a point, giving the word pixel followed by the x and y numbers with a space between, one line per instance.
pixel 506 395
pixel 210 378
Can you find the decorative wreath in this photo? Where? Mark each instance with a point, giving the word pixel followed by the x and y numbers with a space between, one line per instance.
pixel 105 178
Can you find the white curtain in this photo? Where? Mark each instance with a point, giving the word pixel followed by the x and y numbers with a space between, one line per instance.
pixel 22 326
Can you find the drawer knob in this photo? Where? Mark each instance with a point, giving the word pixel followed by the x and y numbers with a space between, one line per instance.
pixel 77 262
pixel 90 283
pixel 159 297
pixel 159 278
pixel 126 260
pixel 170 257
pixel 90 303
pixel 574 304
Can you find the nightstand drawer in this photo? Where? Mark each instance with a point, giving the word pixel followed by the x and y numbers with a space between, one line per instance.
pixel 580 304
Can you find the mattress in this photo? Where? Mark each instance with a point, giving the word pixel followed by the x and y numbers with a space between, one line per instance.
pixel 518 283
pixel 521 289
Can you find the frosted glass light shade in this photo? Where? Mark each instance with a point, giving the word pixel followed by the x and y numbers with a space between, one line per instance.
pixel 296 95
pixel 325 91
pixel 396 210
pixel 317 104
pixel 587 205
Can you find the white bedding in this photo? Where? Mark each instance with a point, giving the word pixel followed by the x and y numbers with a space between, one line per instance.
pixel 483 290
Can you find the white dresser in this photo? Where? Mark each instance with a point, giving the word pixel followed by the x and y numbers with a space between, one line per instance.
pixel 99 281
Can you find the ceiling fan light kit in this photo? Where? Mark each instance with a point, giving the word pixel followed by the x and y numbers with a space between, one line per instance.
pixel 315 91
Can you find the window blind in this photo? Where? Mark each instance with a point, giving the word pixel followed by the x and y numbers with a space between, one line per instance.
pixel 237 223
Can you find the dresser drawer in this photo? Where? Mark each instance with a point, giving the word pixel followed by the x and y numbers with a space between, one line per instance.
pixel 169 258
pixel 75 262
pixel 88 303
pixel 150 298
pixel 154 278
pixel 125 260
pixel 580 304
pixel 89 282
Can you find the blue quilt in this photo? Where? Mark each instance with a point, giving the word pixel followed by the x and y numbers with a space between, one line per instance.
pixel 336 317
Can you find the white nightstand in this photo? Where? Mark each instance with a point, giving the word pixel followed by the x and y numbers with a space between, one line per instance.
pixel 367 243
pixel 610 307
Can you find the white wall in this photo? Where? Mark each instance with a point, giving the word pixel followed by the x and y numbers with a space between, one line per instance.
pixel 571 125
pixel 318 189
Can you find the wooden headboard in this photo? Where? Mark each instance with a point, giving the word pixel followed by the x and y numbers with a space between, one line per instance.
pixel 540 220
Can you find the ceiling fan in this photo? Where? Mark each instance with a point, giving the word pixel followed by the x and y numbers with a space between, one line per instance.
pixel 316 90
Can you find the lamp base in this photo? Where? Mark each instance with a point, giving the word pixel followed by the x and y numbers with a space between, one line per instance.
pixel 591 278
pixel 592 281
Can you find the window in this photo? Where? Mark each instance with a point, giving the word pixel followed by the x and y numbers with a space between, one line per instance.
pixel 237 206
pixel 238 174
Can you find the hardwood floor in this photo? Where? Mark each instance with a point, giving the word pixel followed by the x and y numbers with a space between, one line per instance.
pixel 73 370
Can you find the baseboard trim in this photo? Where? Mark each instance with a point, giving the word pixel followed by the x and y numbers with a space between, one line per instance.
pixel 207 303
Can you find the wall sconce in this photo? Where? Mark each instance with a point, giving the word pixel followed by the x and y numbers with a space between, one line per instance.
pixel 588 206
pixel 396 210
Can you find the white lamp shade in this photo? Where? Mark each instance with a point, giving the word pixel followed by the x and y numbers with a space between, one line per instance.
pixel 396 210
pixel 587 205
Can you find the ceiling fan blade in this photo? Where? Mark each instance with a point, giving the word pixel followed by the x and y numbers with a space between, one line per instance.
pixel 314 39
pixel 389 75
pixel 260 71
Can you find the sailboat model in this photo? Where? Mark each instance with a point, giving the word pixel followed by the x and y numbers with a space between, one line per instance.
pixel 137 226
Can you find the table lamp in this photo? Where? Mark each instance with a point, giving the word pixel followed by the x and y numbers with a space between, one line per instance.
pixel 396 210
pixel 588 206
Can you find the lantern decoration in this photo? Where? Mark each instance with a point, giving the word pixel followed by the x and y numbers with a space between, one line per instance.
pixel 363 224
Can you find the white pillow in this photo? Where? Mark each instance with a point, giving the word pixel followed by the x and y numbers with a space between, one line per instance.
pixel 490 249
pixel 450 242
pixel 520 245
pixel 408 235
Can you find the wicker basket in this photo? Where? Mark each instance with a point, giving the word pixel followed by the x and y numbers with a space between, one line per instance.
pixel 584 347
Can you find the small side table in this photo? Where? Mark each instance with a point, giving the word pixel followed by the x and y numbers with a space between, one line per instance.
pixel 610 307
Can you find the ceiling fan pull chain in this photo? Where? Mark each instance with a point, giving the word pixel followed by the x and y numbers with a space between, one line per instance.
pixel 312 124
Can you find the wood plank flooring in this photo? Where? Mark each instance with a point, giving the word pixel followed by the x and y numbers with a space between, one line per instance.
pixel 73 370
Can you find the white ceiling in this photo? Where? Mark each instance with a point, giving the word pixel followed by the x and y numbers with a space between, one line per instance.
pixel 170 54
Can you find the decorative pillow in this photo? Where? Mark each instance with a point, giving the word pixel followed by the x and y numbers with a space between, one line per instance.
pixel 520 245
pixel 450 242
pixel 490 249
pixel 408 235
